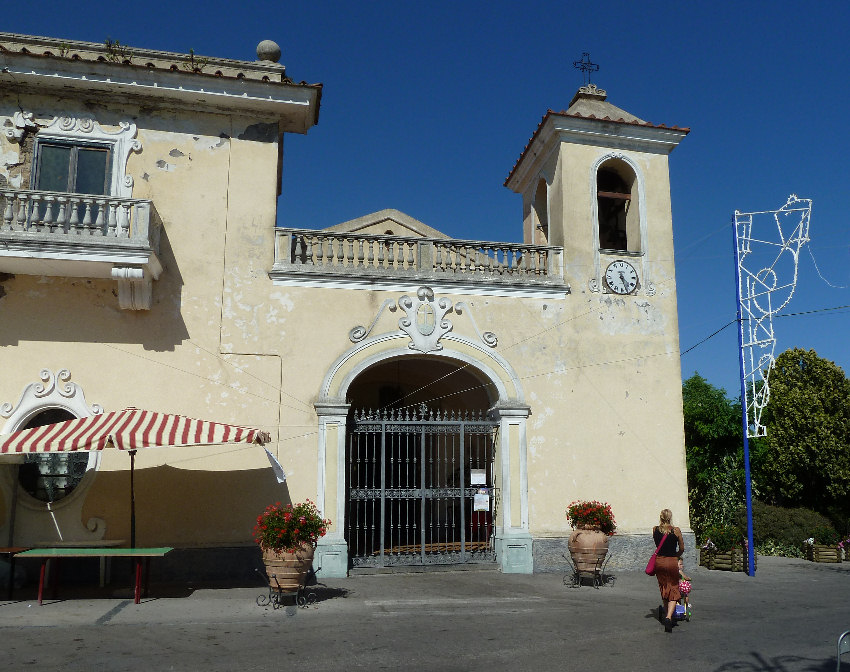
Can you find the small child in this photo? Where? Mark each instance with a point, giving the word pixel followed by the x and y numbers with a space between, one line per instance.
pixel 684 588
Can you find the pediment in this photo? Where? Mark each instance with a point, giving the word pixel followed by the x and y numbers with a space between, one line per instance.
pixel 388 222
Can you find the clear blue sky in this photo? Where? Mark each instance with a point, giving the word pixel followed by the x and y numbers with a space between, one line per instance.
pixel 426 107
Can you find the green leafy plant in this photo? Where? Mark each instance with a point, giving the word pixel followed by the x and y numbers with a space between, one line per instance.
pixel 723 538
pixel 195 64
pixel 116 52
pixel 287 528
pixel 774 548
pixel 784 527
pixel 826 535
pixel 592 514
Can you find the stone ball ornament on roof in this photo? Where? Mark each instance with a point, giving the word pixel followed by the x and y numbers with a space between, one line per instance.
pixel 268 50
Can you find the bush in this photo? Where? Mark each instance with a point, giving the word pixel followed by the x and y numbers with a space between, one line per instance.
pixel 783 527
pixel 771 547
pixel 826 535
pixel 714 499
pixel 725 537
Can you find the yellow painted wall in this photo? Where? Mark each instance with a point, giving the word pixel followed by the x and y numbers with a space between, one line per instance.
pixel 599 372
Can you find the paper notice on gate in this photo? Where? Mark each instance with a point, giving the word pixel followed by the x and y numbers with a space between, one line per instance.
pixel 478 477
pixel 481 501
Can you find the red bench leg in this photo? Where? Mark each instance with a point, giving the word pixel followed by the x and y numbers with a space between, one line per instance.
pixel 147 576
pixel 41 580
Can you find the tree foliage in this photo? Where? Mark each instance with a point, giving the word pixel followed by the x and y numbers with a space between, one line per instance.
pixel 805 460
pixel 714 453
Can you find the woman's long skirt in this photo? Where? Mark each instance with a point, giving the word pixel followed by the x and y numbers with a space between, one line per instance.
pixel 667 573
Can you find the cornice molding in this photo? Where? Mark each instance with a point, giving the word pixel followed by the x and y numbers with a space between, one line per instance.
pixel 294 105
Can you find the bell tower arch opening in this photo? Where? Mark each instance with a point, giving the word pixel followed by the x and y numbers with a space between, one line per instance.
pixel 618 211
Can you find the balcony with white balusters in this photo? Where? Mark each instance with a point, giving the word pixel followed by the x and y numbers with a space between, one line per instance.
pixel 77 235
pixel 329 258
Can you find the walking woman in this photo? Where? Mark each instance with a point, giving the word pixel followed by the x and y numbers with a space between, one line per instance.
pixel 667 564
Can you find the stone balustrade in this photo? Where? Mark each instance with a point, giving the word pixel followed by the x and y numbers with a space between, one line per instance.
pixel 83 236
pixel 306 252
pixel 63 215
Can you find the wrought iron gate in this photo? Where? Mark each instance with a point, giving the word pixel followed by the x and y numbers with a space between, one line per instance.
pixel 420 488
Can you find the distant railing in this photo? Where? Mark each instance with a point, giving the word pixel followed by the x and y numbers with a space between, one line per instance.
pixel 352 254
pixel 65 215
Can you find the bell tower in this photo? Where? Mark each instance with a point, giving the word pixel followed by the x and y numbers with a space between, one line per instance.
pixel 595 180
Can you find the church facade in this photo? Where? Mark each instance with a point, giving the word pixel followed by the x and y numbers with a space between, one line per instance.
pixel 441 400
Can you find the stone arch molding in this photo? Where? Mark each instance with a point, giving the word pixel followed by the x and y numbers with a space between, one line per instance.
pixel 36 521
pixel 423 328
pixel 595 283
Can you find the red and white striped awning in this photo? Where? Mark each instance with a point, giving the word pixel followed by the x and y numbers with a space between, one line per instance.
pixel 129 429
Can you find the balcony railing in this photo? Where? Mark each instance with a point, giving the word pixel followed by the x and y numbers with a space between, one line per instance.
pixel 302 253
pixel 69 215
pixel 77 235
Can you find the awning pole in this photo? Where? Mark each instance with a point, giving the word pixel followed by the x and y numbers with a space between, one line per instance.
pixel 132 499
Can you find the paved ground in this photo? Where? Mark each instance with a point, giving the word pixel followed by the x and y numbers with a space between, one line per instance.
pixel 785 619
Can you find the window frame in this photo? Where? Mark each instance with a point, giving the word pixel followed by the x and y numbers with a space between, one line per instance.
pixel 75 146
pixel 634 242
pixel 84 131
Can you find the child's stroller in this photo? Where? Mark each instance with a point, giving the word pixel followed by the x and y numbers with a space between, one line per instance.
pixel 682 612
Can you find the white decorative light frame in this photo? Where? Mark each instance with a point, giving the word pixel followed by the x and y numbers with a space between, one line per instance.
pixel 757 293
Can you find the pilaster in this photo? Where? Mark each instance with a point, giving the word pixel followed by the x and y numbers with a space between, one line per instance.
pixel 513 539
pixel 331 559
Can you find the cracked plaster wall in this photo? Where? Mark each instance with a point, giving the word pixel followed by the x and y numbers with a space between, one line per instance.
pixel 168 358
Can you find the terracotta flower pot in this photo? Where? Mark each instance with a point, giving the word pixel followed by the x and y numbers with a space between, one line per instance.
pixel 587 548
pixel 287 570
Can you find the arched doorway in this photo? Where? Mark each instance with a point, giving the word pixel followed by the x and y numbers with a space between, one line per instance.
pixel 454 369
pixel 419 467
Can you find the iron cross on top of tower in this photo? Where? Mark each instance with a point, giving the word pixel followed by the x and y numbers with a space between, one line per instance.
pixel 586 66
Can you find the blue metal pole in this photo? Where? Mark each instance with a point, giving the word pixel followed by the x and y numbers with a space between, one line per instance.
pixel 751 570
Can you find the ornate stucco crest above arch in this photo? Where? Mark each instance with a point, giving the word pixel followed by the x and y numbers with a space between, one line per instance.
pixel 424 328
pixel 424 322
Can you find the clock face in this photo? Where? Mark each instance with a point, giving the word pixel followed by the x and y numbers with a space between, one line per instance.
pixel 621 277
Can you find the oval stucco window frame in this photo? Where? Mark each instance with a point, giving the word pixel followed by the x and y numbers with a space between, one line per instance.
pixel 55 391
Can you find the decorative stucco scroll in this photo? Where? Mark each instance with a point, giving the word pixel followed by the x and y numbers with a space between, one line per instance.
pixel 21 124
pixel 54 390
pixel 424 321
pixel 488 338
pixel 360 332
